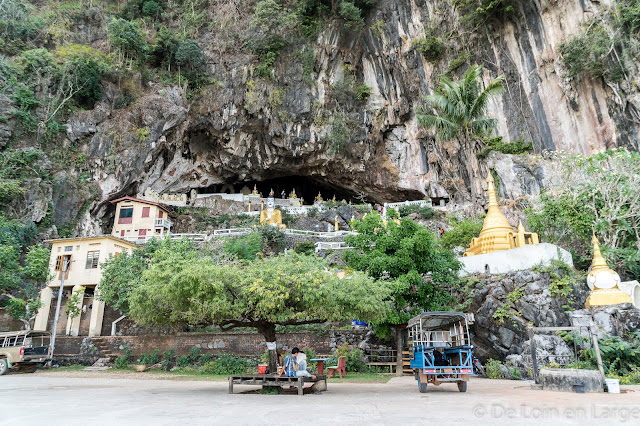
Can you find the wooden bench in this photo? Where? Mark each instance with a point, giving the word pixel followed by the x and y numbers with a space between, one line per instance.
pixel 319 383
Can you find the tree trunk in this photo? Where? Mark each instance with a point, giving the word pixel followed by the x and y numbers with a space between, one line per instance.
pixel 268 330
pixel 399 364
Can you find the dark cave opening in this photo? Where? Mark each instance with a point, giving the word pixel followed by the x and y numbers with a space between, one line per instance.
pixel 306 188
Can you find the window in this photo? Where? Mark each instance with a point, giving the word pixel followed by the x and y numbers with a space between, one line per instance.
pixel 160 214
pixel 92 259
pixel 126 215
pixel 68 248
pixel 58 263
pixel 145 211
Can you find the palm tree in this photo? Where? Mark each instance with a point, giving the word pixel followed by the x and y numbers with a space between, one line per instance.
pixel 461 108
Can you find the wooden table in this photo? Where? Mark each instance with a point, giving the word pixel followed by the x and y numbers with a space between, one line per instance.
pixel 319 383
pixel 320 362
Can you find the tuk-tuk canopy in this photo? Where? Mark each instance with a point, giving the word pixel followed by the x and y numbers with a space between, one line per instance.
pixel 437 320
pixel 30 333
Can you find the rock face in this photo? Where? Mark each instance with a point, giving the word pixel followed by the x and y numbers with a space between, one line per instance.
pixel 246 128
pixel 505 305
pixel 615 320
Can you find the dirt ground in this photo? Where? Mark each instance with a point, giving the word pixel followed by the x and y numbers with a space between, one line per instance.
pixel 114 398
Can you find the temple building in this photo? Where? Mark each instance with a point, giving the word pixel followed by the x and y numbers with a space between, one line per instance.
pixel 604 282
pixel 497 234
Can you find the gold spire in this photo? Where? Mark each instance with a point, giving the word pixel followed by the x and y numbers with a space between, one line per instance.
pixel 495 222
pixel 497 234
pixel 271 192
pixel 598 263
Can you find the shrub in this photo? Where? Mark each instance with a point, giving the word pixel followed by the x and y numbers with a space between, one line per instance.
pixel 273 238
pixel 194 355
pixel 588 54
pixel 122 361
pixel 363 92
pixel 351 14
pixel 245 247
pixel 225 364
pixel 461 234
pixel 355 358
pixel 182 361
pixel 424 212
pixel 431 47
pixel 493 369
pixel 519 146
pixel 189 55
pixel 168 359
pixel 150 358
pixel 305 247
pixel 477 12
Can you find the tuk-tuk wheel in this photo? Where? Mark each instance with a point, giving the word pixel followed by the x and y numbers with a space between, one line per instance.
pixel 462 386
pixel 415 374
pixel 4 366
pixel 422 386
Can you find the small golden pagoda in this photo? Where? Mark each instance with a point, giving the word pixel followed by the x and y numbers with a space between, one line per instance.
pixel 603 281
pixel 319 197
pixel 255 190
pixel 497 234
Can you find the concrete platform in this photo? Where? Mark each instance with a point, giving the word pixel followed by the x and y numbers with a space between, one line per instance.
pixel 43 398
pixel 517 259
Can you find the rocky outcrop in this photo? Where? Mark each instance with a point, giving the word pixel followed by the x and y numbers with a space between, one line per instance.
pixel 506 305
pixel 618 320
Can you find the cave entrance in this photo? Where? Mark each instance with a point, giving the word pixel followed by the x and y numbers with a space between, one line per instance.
pixel 306 188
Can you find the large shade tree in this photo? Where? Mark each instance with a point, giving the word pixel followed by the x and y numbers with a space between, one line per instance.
pixel 457 112
pixel 182 288
pixel 410 260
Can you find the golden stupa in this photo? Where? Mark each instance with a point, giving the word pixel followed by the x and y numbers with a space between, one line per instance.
pixel 603 282
pixel 497 234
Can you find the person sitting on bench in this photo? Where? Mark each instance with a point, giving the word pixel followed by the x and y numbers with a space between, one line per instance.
pixel 293 368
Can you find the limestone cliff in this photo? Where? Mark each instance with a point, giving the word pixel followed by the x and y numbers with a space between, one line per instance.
pixel 244 128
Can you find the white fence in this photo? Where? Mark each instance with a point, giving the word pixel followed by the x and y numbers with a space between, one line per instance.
pixel 235 232
pixel 331 245
pixel 387 206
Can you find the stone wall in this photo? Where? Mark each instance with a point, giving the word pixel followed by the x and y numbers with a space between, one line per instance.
pixel 85 349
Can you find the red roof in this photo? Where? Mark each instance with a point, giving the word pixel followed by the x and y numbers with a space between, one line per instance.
pixel 140 201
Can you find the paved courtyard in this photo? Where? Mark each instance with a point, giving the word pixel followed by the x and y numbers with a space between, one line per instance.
pixel 52 399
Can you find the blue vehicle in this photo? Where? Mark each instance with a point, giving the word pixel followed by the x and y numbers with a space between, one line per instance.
pixel 442 351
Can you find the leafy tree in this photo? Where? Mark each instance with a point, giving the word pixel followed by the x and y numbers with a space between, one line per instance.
pixel 461 109
pixel 189 55
pixel 125 37
pixel 409 259
pixel 180 289
pixel 600 193
pixel 83 68
pixel 24 269
pixel 123 273
pixel 164 48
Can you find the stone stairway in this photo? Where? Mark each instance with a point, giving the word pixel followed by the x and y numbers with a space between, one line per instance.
pixel 104 346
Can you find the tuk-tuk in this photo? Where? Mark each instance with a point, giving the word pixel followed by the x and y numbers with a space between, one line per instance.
pixel 25 350
pixel 442 351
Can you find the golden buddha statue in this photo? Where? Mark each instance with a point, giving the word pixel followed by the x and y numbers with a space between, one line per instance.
pixel 255 190
pixel 271 215
pixel 497 234
pixel 603 282
pixel 319 197
pixel 292 194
